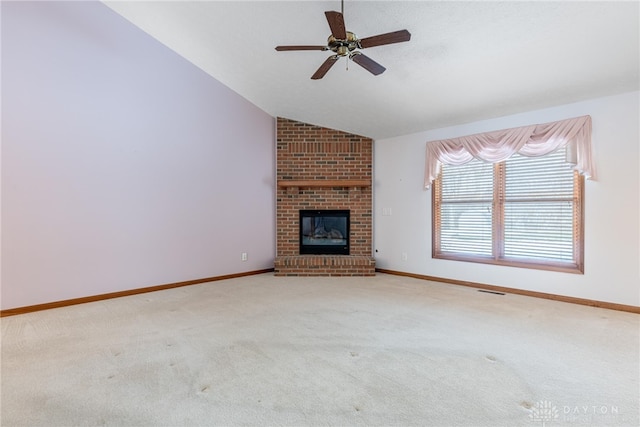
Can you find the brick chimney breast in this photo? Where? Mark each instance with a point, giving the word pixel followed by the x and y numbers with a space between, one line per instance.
pixel 321 168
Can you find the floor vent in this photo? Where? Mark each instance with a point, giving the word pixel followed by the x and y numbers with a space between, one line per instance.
pixel 490 292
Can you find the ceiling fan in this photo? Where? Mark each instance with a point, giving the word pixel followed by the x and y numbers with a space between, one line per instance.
pixel 346 43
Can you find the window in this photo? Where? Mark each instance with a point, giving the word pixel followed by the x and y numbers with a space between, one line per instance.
pixel 523 212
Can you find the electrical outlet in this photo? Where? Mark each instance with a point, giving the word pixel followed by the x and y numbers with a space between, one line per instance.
pixel 404 256
pixel 244 256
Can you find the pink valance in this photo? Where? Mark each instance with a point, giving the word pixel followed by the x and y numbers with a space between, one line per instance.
pixel 532 141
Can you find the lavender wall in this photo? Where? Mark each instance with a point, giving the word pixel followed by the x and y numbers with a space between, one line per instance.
pixel 123 165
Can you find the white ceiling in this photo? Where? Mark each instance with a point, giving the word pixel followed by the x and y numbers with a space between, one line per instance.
pixel 466 61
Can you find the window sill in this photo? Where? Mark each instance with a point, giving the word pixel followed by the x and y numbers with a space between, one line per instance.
pixel 534 265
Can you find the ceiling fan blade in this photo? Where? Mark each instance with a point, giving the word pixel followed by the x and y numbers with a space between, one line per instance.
pixel 285 48
pixel 336 23
pixel 367 63
pixel 387 38
pixel 326 65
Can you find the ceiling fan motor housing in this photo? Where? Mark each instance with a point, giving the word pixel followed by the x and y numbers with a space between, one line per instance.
pixel 343 47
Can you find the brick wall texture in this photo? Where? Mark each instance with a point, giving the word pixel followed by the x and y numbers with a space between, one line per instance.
pixel 309 152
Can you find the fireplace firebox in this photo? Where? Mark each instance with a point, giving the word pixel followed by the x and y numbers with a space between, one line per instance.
pixel 324 232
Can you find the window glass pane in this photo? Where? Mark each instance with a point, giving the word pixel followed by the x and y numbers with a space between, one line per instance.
pixel 466 228
pixel 465 224
pixel 547 177
pixel 539 208
pixel 471 181
pixel 540 230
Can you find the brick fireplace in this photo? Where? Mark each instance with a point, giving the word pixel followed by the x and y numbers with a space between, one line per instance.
pixel 324 169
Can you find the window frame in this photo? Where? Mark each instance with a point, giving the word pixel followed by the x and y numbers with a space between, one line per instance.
pixel 498 229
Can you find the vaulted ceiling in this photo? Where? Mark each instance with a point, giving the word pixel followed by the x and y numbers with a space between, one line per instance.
pixel 466 60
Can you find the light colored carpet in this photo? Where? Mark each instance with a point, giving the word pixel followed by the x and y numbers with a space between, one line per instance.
pixel 262 350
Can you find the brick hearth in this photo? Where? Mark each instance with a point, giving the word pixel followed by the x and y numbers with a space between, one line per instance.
pixel 320 168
